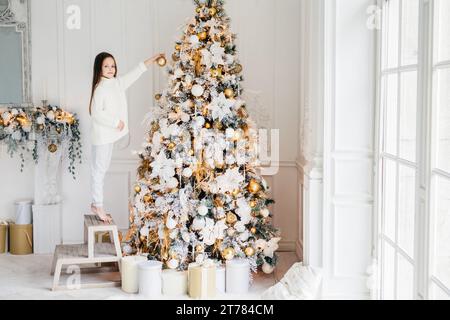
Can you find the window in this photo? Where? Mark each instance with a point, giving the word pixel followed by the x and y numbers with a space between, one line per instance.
pixel 414 150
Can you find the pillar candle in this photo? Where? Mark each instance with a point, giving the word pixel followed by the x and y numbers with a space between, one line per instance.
pixel 174 282
pixel 129 273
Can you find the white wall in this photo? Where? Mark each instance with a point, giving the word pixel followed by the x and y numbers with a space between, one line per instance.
pixel 268 43
pixel 336 153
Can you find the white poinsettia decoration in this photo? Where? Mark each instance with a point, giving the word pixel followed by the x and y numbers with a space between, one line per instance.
pixel 271 247
pixel 229 181
pixel 206 58
pixel 220 106
pixel 213 231
pixel 217 52
pixel 163 167
pixel 244 210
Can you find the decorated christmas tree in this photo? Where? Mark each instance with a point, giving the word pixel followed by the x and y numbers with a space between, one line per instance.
pixel 198 194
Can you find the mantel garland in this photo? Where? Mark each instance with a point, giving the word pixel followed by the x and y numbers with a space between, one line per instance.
pixel 27 130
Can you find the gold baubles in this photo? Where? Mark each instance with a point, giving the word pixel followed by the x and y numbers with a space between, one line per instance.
pixel 208 125
pixel 178 47
pixel 147 198
pixel 253 203
pixel 254 186
pixel 229 93
pixel 137 189
pixel 202 36
pixel 228 253
pixel 216 72
pixel 249 251
pixel 253 230
pixel 237 69
pixel 212 11
pixel 52 148
pixel 171 146
pixel 199 248
pixel 231 218
pixel 158 96
pixel 236 192
pixel 58 129
pixel 198 10
pixel 40 127
pixel 161 61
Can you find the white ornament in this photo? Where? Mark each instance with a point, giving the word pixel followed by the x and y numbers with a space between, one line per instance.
pixel 172 183
pixel 51 115
pixel 144 231
pixel 260 244
pixel 185 236
pixel 202 210
pixel 198 223
pixel 265 212
pixel 197 90
pixel 173 263
pixel 171 223
pixel 244 236
pixel 229 133
pixel 231 231
pixel 267 268
pixel 239 226
pixel 193 39
pixel 185 117
pixel 187 172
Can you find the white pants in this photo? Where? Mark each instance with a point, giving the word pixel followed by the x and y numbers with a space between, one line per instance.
pixel 101 159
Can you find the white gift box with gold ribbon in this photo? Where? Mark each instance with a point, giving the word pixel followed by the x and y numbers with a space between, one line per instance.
pixel 202 280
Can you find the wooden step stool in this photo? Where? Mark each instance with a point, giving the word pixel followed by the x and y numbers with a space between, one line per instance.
pixel 88 253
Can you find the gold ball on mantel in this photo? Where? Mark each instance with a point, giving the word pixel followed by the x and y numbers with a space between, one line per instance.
pixel 254 186
pixel 231 218
pixel 137 189
pixel 228 253
pixel 229 93
pixel 52 148
pixel 161 61
pixel 249 251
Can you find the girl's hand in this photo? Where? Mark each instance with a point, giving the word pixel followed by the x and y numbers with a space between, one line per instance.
pixel 121 125
pixel 153 59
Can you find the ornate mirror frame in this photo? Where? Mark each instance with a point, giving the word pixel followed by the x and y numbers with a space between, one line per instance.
pixel 17 15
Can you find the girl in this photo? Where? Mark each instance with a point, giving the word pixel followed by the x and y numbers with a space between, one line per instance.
pixel 109 113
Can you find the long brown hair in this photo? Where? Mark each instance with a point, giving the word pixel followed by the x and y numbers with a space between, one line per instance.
pixel 98 72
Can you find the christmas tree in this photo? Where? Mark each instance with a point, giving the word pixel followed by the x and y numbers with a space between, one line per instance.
pixel 198 193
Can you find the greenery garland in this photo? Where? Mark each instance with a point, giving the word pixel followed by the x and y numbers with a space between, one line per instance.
pixel 23 130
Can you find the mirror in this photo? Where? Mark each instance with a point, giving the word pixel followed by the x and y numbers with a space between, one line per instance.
pixel 15 71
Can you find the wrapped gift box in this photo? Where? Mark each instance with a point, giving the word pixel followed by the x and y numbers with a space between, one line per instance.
pixel 150 279
pixel 237 276
pixel 129 273
pixel 21 239
pixel 174 283
pixel 202 280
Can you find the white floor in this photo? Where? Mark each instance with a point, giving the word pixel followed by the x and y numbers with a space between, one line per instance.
pixel 28 277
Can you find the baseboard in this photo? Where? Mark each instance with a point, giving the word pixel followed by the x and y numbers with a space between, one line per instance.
pixel 299 249
pixel 286 246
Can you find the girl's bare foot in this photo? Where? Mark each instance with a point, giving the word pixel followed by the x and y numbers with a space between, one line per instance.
pixel 100 213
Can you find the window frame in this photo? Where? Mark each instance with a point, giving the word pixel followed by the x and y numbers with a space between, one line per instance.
pixel 425 152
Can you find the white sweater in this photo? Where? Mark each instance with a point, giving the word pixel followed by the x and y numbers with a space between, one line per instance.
pixel 109 106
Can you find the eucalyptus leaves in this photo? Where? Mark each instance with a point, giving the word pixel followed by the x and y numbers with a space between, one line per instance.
pixel 29 130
